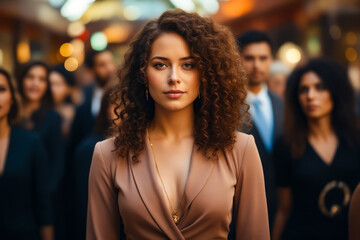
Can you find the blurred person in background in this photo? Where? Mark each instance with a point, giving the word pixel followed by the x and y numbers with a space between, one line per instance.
pixel 277 79
pixel 25 205
pixel 317 161
pixel 354 215
pixel 266 108
pixel 62 88
pixel 82 161
pixel 84 76
pixel 103 67
pixel 38 116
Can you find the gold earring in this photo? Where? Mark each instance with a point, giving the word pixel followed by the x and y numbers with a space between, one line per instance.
pixel 199 96
pixel 147 93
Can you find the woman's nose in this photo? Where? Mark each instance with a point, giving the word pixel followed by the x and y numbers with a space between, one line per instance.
pixel 174 77
pixel 311 93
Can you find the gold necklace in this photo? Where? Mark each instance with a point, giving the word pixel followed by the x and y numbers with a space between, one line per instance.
pixel 175 216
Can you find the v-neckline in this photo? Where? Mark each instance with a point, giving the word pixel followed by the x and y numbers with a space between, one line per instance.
pixel 151 193
pixel 180 208
pixel 333 158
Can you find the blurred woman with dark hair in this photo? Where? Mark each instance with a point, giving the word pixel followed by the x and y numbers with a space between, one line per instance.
pixel 62 88
pixel 317 162
pixel 25 205
pixel 38 116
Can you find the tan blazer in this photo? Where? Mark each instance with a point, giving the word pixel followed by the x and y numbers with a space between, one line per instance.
pixel 354 215
pixel 127 197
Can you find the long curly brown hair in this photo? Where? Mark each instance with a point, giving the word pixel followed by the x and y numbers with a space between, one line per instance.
pixel 220 109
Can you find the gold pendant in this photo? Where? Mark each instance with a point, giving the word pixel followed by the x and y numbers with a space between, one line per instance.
pixel 175 218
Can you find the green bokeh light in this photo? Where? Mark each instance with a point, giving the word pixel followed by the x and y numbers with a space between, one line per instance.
pixel 98 41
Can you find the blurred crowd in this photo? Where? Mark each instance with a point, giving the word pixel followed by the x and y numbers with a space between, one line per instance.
pixel 304 121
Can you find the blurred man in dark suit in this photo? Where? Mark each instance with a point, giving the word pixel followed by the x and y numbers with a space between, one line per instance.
pixel 266 108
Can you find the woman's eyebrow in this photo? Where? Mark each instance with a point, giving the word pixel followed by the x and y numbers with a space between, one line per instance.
pixel 166 59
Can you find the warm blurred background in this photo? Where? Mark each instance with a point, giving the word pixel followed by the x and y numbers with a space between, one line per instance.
pixel 62 31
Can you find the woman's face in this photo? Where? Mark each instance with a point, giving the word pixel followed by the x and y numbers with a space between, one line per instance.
pixel 172 74
pixel 5 97
pixel 315 99
pixel 35 84
pixel 59 88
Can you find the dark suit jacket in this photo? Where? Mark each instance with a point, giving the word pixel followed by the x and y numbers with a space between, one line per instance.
pixel 266 157
pixel 25 203
pixel 82 126
pixel 82 163
pixel 83 123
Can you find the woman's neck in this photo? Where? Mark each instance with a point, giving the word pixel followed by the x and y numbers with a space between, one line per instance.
pixel 4 128
pixel 321 128
pixel 172 125
pixel 30 107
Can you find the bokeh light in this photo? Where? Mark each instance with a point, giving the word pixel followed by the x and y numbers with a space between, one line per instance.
pixel 23 52
pixel 71 64
pixel 56 3
pixel 74 9
pixel 98 41
pixel 117 33
pixel 293 55
pixel 351 38
pixel 210 6
pixel 84 36
pixel 75 29
pixel 351 54
pixel 290 54
pixel 187 5
pixel 78 46
pixel 66 49
pixel 314 46
pixel 131 13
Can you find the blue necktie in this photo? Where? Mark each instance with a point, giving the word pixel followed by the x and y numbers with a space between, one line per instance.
pixel 262 125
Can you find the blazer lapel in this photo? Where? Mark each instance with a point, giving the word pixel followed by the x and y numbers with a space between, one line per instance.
pixel 151 193
pixel 278 109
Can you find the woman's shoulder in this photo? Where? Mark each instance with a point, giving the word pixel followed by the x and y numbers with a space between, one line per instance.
pixel 242 140
pixel 105 157
pixel 106 150
pixel 244 153
pixel 243 146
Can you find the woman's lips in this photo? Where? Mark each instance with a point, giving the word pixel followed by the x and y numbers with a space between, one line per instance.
pixel 174 94
pixel 312 107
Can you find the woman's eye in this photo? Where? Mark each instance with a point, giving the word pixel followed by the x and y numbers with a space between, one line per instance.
pixel 159 65
pixel 303 90
pixel 2 89
pixel 321 87
pixel 188 65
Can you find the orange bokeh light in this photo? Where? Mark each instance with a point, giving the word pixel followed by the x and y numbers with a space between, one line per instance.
pixel 235 8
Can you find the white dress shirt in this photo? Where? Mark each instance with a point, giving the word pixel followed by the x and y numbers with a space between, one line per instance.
pixel 96 101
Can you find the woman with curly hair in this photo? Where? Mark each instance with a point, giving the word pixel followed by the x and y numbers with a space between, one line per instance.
pixel 317 162
pixel 176 167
